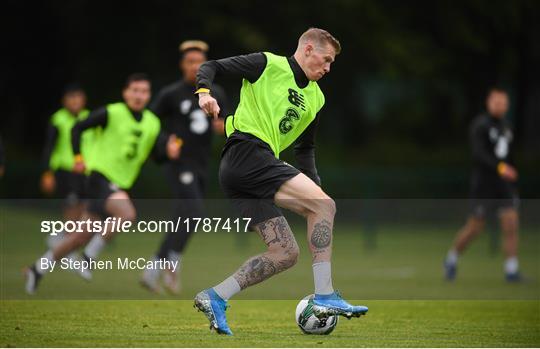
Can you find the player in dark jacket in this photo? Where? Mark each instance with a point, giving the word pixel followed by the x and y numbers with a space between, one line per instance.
pixel 493 184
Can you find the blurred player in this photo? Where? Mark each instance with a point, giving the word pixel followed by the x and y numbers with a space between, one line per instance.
pixel 130 133
pixel 493 184
pixel 178 108
pixel 58 176
pixel 279 102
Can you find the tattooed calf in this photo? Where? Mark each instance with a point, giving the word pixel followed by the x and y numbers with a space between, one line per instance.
pixel 277 231
pixel 322 234
pixel 255 270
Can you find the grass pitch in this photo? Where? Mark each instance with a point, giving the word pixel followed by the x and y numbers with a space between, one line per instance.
pixel 268 324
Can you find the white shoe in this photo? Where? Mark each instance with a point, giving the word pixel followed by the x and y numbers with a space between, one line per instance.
pixel 171 281
pixel 32 280
pixel 86 274
pixel 150 281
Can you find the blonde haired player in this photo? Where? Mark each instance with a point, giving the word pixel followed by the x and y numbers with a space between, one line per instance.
pixel 279 103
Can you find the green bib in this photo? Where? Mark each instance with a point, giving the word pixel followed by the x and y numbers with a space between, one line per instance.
pixel 62 154
pixel 274 109
pixel 124 144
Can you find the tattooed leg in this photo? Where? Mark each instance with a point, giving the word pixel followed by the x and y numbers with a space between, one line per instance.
pixel 301 195
pixel 282 253
pixel 320 238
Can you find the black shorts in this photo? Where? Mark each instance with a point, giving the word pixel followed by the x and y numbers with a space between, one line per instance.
pixel 98 189
pixel 187 182
pixel 250 175
pixel 490 194
pixel 70 186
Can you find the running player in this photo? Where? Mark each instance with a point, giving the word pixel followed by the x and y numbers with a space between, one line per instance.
pixel 178 108
pixel 279 102
pixel 58 176
pixel 493 184
pixel 130 133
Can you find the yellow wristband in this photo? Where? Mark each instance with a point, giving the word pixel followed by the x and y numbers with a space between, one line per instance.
pixel 202 90
pixel 501 168
pixel 78 158
pixel 179 141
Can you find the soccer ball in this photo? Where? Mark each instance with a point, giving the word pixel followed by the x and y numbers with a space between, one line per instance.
pixel 308 322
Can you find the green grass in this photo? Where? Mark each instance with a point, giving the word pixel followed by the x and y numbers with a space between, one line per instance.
pixel 268 324
pixel 401 281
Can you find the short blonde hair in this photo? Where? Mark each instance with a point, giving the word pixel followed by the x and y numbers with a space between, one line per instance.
pixel 193 45
pixel 320 36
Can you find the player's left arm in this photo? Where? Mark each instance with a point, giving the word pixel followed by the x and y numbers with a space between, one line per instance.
pixel 510 158
pixel 304 151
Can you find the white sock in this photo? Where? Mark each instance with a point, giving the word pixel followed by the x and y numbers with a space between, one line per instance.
pixel 228 288
pixel 94 247
pixel 174 256
pixel 73 256
pixel 322 274
pixel 43 267
pixel 452 257
pixel 54 240
pixel 511 265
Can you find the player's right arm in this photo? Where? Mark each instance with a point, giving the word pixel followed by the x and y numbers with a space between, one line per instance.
pixel 218 124
pixel 167 146
pixel 249 67
pixel 99 117
pixel 47 182
pixel 161 105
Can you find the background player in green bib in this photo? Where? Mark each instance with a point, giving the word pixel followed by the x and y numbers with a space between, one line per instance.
pixel 279 102
pixel 58 176
pixel 130 133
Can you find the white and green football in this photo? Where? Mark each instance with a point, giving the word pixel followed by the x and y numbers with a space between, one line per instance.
pixel 309 323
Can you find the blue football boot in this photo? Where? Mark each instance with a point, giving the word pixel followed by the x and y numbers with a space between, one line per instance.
pixel 450 270
pixel 513 277
pixel 214 308
pixel 333 304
